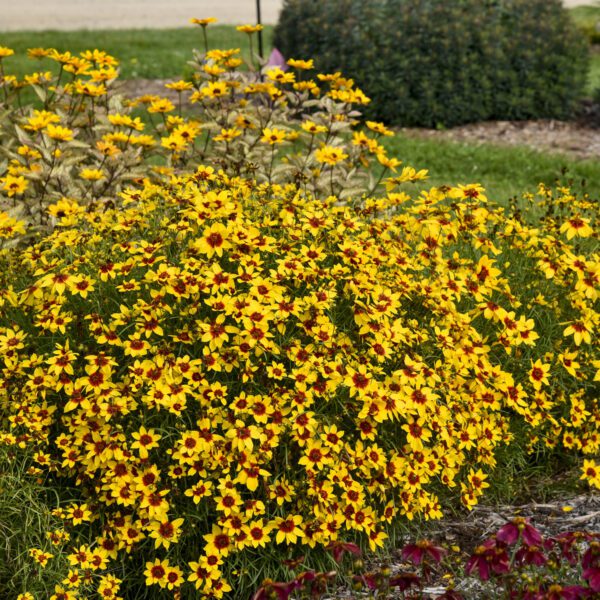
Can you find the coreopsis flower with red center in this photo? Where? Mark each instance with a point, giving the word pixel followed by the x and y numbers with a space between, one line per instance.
pixel 258 533
pixel 581 330
pixel 145 440
pixel 214 240
pixel 156 572
pixel 199 490
pixel 166 532
pixel 173 578
pixel 416 433
pixel 377 539
pixel 477 480
pixel 40 557
pixel 359 380
pixel 289 529
pixel 281 491
pixel 315 456
pixel 590 472
pixel 538 374
pixel 218 542
pixel 576 226
pixel 79 514
pixel 62 593
pixel 216 333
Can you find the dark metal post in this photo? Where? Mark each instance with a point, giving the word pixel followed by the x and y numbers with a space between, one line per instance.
pixel 260 38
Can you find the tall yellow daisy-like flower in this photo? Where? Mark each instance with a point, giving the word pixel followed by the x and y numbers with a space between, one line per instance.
pixel 59 133
pixel 4 52
pixel 203 22
pixel 330 155
pixel 273 136
pixel 14 185
pixel 249 29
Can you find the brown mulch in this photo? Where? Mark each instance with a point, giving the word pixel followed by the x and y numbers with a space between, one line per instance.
pixel 574 138
pixel 578 513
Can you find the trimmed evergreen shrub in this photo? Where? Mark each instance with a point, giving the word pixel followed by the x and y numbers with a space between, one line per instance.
pixel 444 63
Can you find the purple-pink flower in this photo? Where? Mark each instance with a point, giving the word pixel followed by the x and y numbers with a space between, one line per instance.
pixel 520 527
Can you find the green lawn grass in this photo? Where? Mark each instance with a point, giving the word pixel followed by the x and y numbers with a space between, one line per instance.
pixel 586 16
pixel 504 171
pixel 147 53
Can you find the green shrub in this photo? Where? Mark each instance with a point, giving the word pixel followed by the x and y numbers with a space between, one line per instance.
pixel 444 63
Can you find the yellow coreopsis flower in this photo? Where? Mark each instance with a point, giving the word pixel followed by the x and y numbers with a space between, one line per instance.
pixel 576 226
pixel 538 374
pixel 156 572
pixel 214 240
pixel 144 440
pixel 289 530
pixel 581 330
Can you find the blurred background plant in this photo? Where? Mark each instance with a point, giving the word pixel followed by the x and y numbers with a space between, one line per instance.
pixel 445 63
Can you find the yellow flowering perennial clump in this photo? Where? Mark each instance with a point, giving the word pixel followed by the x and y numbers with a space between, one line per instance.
pixel 211 369
pixel 221 371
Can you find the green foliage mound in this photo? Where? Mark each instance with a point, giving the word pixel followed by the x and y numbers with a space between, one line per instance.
pixel 444 63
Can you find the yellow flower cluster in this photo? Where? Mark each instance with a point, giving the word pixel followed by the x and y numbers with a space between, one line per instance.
pixel 221 367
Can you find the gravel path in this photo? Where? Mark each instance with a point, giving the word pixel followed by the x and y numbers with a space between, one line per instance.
pixel 38 15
